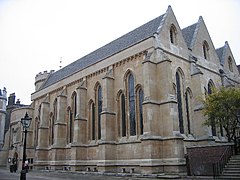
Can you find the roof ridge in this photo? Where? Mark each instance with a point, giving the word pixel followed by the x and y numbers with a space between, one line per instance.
pixel 123 42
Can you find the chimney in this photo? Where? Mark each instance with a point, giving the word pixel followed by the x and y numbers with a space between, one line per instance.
pixel 18 102
pixel 11 99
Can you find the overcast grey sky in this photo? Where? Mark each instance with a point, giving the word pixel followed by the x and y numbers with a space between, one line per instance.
pixel 35 34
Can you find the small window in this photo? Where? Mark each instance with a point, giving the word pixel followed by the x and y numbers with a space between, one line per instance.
pixel 173 35
pixel 230 64
pixel 205 50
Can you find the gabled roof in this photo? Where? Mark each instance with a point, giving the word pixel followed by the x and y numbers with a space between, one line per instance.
pixel 139 34
pixel 219 52
pixel 188 34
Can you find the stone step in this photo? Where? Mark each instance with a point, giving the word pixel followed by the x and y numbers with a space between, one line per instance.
pixel 231 166
pixel 228 177
pixel 232 169
pixel 235 160
pixel 236 156
pixel 237 163
pixel 237 168
pixel 231 173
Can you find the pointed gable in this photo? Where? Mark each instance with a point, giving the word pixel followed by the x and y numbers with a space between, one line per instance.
pixel 170 34
pixel 226 58
pixel 201 43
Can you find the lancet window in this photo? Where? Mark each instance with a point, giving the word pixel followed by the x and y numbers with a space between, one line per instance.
pixel 131 103
pixel 179 101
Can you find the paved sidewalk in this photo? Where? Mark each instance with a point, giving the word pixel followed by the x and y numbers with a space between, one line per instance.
pixel 68 175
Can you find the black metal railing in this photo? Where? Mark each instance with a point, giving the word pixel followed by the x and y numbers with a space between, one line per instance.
pixel 219 165
pixel 237 145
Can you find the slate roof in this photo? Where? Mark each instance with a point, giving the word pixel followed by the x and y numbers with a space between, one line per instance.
pixel 188 33
pixel 219 52
pixel 139 34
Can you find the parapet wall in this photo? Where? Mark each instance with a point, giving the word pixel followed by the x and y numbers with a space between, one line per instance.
pixel 41 77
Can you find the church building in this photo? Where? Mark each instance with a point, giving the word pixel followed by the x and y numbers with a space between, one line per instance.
pixel 133 105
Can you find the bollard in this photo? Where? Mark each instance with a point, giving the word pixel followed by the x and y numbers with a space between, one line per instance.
pixel 23 175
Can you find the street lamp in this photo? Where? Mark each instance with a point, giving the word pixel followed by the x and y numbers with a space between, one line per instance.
pixel 26 121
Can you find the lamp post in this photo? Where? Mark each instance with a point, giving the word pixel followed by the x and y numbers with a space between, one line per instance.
pixel 25 124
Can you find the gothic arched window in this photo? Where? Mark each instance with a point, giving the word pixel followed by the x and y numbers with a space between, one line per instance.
pixel 205 50
pixel 53 118
pixel 99 105
pixel 69 125
pixel 140 102
pixel 92 120
pixel 173 35
pixel 123 116
pixel 37 122
pixel 131 102
pixel 188 103
pixel 213 124
pixel 55 109
pixel 230 64
pixel 51 129
pixel 179 101
pixel 74 104
pixel 72 115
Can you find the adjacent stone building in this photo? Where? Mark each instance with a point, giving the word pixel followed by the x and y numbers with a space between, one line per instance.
pixel 3 104
pixel 132 105
pixel 10 127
